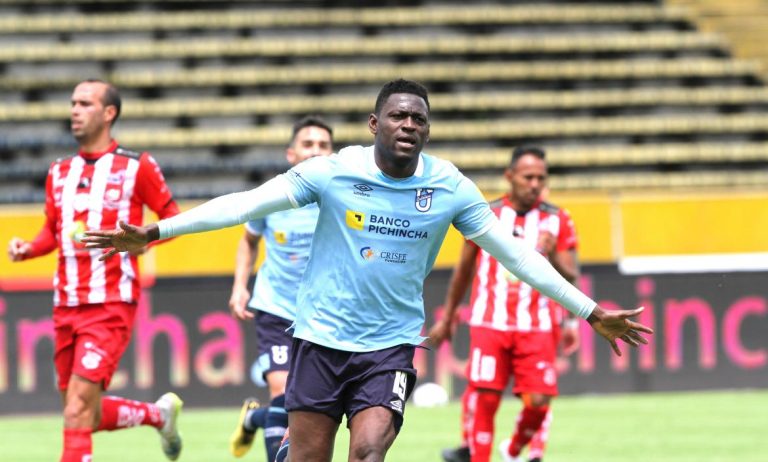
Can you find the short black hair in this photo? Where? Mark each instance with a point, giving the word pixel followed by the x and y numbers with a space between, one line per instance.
pixel 400 86
pixel 524 150
pixel 310 121
pixel 111 97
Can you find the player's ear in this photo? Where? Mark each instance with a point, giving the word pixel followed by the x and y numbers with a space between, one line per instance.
pixel 290 155
pixel 110 113
pixel 373 123
pixel 508 174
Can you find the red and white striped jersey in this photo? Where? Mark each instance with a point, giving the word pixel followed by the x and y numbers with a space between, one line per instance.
pixel 501 301
pixel 94 191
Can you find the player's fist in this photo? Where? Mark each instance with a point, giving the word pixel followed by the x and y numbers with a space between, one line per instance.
pixel 546 243
pixel 18 249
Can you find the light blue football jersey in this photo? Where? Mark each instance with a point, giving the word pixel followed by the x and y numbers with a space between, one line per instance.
pixel 376 240
pixel 287 238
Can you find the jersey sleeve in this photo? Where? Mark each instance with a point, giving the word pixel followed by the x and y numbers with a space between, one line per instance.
pixel 256 227
pixel 566 239
pixel 152 189
pixel 45 241
pixel 309 179
pixel 473 215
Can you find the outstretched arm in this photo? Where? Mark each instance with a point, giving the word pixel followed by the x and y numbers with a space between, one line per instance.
pixel 531 267
pixel 221 212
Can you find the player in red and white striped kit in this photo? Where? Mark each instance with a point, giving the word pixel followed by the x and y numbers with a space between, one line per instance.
pixel 514 330
pixel 95 301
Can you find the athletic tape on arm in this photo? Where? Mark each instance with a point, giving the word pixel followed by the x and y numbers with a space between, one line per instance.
pixel 529 266
pixel 230 210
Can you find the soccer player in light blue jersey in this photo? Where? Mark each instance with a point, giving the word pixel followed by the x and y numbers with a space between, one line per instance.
pixel 384 211
pixel 287 236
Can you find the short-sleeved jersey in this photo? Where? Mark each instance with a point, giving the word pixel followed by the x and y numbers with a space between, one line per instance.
pixel 95 191
pixel 376 240
pixel 501 301
pixel 288 237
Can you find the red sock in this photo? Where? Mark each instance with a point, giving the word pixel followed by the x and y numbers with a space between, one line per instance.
pixel 481 436
pixel 539 441
pixel 528 423
pixel 119 413
pixel 468 405
pixel 77 445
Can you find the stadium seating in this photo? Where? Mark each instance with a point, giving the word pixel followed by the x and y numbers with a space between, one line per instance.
pixel 630 99
pixel 624 97
pixel 361 47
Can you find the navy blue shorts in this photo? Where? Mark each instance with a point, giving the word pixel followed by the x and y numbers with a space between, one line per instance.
pixel 338 383
pixel 274 344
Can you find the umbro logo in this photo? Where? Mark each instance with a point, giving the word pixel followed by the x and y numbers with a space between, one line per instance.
pixel 362 189
pixel 396 405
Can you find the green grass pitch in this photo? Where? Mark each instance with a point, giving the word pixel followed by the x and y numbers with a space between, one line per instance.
pixel 669 427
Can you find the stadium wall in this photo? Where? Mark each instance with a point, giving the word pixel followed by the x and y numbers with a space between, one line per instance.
pixel 710 334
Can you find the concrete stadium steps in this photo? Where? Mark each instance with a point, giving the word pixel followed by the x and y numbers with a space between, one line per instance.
pixel 744 23
pixel 514 129
pixel 329 46
pixel 272 17
pixel 498 130
pixel 341 104
pixel 484 71
pixel 468 158
pixel 621 96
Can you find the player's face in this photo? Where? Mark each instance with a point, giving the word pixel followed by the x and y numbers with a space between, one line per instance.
pixel 309 142
pixel 88 115
pixel 528 179
pixel 401 129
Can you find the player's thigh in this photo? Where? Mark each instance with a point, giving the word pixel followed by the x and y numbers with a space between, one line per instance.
pixel 372 432
pixel 533 363
pixel 274 346
pixel 316 380
pixel 102 334
pixel 312 436
pixel 488 365
pixel 64 347
pixel 276 381
pixel 388 391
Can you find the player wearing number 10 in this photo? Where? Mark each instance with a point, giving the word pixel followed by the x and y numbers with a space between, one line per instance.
pixel 384 211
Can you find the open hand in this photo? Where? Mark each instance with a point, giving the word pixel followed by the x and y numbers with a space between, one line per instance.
pixel 615 324
pixel 238 302
pixel 127 238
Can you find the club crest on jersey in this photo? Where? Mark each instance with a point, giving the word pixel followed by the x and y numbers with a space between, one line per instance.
pixel 424 199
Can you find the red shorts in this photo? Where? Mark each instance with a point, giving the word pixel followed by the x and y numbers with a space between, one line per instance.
pixel 528 356
pixel 90 339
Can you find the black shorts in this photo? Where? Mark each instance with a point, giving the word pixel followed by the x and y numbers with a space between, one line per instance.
pixel 338 383
pixel 274 344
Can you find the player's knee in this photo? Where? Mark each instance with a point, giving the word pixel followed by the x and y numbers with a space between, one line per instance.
pixel 488 400
pixel 536 400
pixel 78 413
pixel 368 451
